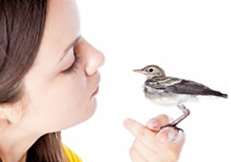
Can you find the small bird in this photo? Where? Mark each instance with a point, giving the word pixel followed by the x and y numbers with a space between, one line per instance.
pixel 168 91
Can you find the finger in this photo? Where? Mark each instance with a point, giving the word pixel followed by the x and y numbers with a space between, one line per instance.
pixel 136 128
pixel 148 138
pixel 173 142
pixel 168 151
pixel 136 156
pixel 141 133
pixel 155 124
pixel 170 135
pixel 149 154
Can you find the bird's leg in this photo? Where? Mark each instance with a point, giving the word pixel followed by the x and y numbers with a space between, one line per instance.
pixel 186 113
pixel 173 124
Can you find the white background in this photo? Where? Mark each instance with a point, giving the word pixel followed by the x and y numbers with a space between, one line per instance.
pixel 190 39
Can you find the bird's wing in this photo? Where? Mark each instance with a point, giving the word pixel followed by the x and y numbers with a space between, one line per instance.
pixel 180 86
pixel 162 82
pixel 188 87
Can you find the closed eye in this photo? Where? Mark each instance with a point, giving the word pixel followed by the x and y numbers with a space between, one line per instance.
pixel 73 67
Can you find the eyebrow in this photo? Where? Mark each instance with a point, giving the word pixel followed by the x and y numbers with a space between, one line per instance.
pixel 72 44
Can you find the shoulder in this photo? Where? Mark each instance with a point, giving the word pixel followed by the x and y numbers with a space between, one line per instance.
pixel 70 155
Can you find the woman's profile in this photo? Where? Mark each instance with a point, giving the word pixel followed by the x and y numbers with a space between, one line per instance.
pixel 49 81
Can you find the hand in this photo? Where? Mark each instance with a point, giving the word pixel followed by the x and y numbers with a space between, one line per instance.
pixel 153 146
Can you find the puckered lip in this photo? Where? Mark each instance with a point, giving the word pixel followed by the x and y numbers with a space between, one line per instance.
pixel 96 89
pixel 95 92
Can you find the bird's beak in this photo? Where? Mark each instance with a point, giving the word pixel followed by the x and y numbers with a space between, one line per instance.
pixel 139 71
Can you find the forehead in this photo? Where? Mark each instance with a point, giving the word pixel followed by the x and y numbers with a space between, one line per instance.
pixel 61 28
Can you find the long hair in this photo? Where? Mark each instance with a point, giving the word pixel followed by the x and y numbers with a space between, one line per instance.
pixel 21 30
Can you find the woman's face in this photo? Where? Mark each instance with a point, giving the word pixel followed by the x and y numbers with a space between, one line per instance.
pixel 62 84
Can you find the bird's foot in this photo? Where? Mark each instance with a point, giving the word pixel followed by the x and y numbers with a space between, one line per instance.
pixel 172 126
pixel 174 123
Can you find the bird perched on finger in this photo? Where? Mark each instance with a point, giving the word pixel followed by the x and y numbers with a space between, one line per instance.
pixel 168 91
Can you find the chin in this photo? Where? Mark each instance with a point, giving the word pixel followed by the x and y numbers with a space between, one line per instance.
pixel 86 114
pixel 92 107
pixel 89 114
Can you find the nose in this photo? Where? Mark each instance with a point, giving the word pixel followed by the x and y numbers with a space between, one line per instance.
pixel 94 59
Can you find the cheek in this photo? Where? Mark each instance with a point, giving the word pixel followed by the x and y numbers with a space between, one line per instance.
pixel 69 93
pixel 69 99
pixel 62 103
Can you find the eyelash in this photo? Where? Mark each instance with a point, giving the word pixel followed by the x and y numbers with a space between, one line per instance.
pixel 73 67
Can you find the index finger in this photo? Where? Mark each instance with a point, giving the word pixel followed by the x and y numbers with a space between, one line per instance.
pixel 140 132
pixel 155 124
pixel 147 136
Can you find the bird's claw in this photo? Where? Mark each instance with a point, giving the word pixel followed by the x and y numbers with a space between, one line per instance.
pixel 172 126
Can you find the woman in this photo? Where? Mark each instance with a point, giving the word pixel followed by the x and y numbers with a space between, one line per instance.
pixel 48 82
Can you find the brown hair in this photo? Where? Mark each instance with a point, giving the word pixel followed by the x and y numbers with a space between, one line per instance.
pixel 21 29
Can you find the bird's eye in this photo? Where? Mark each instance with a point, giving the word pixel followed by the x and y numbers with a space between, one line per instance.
pixel 150 70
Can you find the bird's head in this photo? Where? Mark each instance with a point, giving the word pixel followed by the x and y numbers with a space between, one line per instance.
pixel 151 71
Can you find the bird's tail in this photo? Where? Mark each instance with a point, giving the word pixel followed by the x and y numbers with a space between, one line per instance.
pixel 217 93
pixel 224 95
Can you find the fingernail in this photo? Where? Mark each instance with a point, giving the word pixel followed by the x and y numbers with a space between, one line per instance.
pixel 168 135
pixel 179 137
pixel 154 124
pixel 172 135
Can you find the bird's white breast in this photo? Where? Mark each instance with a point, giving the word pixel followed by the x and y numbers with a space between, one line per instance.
pixel 166 99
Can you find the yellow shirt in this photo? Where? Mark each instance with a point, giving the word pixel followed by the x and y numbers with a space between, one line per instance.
pixel 71 156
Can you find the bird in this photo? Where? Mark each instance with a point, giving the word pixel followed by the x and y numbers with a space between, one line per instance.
pixel 172 91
